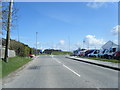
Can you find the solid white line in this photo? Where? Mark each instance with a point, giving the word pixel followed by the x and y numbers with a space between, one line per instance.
pixel 71 70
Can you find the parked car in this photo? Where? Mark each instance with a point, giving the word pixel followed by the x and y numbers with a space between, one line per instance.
pixel 109 54
pixel 89 55
pixel 101 53
pixel 88 52
pixel 74 53
pixel 112 51
pixel 31 55
pixel 117 55
pixel 82 53
pixel 94 53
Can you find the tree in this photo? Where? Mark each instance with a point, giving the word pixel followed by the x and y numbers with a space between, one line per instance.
pixel 5 12
pixel 0 17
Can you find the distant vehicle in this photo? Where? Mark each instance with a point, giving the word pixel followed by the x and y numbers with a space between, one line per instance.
pixel 117 55
pixel 94 53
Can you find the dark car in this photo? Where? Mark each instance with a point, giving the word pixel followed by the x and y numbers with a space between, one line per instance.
pixel 88 52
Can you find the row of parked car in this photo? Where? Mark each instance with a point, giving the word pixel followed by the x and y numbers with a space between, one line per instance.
pixel 111 53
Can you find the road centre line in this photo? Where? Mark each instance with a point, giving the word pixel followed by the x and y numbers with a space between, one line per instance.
pixel 57 61
pixel 67 67
pixel 71 70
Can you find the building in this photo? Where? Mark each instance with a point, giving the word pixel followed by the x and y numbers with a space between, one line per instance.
pixel 11 53
pixel 109 45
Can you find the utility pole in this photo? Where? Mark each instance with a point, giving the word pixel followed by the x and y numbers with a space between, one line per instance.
pixel 118 38
pixel 8 31
pixel 88 45
pixel 18 36
pixel 83 44
pixel 119 26
pixel 36 43
pixel 69 42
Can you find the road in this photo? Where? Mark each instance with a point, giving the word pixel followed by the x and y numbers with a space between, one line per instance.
pixel 48 71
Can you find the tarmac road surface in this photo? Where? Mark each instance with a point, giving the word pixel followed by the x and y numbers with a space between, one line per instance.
pixel 56 71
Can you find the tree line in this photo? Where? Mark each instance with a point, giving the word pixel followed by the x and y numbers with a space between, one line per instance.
pixel 20 49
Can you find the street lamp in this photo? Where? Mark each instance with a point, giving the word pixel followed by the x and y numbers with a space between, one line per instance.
pixel 36 43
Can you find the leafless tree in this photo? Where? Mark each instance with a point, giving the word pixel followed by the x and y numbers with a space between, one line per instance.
pixel 5 11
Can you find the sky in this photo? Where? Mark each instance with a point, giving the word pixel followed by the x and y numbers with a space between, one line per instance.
pixel 65 25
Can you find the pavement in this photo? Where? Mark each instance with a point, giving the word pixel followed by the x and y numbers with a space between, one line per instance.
pixel 56 71
pixel 110 65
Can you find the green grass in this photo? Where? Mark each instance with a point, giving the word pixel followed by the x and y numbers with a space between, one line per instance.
pixel 44 54
pixel 13 64
pixel 60 53
pixel 0 68
pixel 101 59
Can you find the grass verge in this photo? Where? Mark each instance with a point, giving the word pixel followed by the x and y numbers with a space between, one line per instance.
pixel 0 68
pixel 101 59
pixel 60 53
pixel 13 64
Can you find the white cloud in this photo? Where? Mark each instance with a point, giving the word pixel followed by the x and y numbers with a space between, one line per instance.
pixel 115 30
pixel 105 0
pixel 38 43
pixel 91 40
pixel 95 4
pixel 61 0
pixel 78 44
pixel 61 42
pixel 116 41
pixel 100 3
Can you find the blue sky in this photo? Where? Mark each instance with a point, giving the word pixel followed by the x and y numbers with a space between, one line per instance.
pixel 57 22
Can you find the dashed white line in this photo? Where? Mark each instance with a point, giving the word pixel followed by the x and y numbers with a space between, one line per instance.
pixel 68 68
pixel 71 70
pixel 58 61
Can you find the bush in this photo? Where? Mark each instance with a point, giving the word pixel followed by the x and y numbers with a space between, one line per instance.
pixel 20 48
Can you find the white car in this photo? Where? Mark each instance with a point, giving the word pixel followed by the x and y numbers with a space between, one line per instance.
pixel 102 52
pixel 109 54
pixel 94 53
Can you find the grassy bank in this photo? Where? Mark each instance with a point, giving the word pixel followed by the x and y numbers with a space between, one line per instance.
pixel 13 64
pixel 60 53
pixel 101 59
pixel 0 68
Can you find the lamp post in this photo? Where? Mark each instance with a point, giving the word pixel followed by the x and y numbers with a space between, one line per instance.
pixel 36 43
pixel 83 44
pixel 69 42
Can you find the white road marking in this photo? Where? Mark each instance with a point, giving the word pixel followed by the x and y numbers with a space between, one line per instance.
pixel 67 67
pixel 57 61
pixel 71 70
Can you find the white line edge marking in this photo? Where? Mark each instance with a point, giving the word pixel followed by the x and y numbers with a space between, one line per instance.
pixel 71 70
